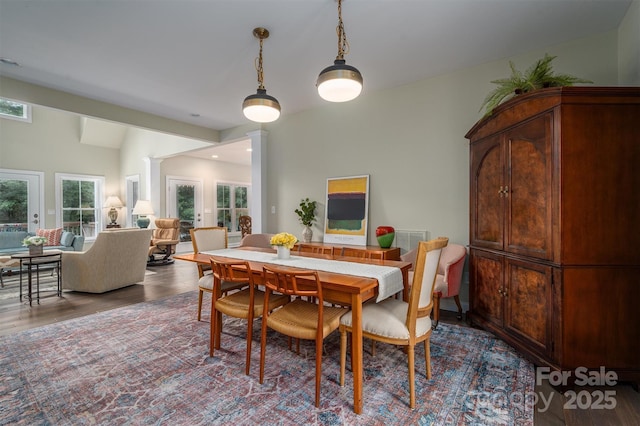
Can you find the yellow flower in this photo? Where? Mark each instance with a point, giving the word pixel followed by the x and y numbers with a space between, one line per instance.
pixel 284 239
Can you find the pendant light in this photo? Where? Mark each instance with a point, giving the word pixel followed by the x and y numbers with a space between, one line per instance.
pixel 261 107
pixel 340 82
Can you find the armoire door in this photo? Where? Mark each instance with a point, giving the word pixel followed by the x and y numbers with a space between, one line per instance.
pixel 487 291
pixel 487 198
pixel 527 190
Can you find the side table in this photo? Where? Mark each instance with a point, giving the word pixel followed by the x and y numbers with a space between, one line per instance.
pixel 33 262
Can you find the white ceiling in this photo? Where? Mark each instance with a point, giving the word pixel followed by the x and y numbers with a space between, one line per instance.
pixel 175 58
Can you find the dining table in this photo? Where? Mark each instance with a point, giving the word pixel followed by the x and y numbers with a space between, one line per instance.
pixel 345 280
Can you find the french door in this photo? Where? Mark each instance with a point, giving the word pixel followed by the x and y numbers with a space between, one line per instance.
pixel 184 201
pixel 21 200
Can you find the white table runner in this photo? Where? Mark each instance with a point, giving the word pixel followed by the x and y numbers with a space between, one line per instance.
pixel 389 277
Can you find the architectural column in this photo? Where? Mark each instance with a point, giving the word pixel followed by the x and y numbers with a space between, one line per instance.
pixel 152 182
pixel 258 210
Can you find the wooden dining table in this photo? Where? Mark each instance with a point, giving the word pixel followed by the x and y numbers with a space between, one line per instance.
pixel 345 289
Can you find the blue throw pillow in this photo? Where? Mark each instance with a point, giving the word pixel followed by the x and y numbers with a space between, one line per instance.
pixel 66 239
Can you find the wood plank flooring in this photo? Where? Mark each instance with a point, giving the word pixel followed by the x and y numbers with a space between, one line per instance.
pixel 182 277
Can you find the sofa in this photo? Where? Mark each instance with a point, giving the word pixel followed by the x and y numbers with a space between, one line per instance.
pixel 117 258
pixel 11 242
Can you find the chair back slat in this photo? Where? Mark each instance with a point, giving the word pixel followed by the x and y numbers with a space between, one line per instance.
pixel 233 271
pixel 292 282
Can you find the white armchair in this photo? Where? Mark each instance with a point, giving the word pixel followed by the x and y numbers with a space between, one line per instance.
pixel 117 258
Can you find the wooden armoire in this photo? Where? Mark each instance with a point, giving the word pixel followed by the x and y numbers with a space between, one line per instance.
pixel 555 227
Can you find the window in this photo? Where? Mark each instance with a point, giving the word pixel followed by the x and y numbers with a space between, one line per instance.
pixel 232 202
pixel 79 203
pixel 15 110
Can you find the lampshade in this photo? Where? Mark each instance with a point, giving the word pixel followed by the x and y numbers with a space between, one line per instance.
pixel 143 208
pixel 340 82
pixel 113 201
pixel 261 107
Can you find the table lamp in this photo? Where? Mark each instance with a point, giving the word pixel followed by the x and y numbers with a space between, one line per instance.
pixel 113 203
pixel 143 209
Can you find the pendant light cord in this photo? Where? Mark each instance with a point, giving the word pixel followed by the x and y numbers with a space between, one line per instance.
pixel 258 63
pixel 343 44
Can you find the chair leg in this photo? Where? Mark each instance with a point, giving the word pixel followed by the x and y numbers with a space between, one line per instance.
pixel 457 299
pixel 318 367
pixel 436 310
pixel 247 368
pixel 213 335
pixel 343 352
pixel 412 385
pixel 373 348
pixel 263 346
pixel 199 303
pixel 427 357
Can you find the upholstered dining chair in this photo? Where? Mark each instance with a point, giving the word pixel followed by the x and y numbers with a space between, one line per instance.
pixel 207 239
pixel 398 322
pixel 244 222
pixel 245 304
pixel 300 319
pixel 256 240
pixel 448 278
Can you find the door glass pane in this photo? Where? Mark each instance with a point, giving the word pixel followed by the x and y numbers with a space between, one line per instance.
pixel 186 206
pixel 14 211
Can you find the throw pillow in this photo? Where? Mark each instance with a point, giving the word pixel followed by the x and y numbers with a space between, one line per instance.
pixel 53 236
pixel 66 239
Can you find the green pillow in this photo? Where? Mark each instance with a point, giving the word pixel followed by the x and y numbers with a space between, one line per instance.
pixel 66 239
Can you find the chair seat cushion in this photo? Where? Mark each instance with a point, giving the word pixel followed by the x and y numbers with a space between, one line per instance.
pixel 299 319
pixel 206 283
pixel 237 304
pixel 388 319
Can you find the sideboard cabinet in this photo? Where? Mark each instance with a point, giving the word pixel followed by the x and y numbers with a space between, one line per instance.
pixel 554 217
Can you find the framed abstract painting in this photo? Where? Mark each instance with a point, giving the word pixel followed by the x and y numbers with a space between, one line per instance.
pixel 346 215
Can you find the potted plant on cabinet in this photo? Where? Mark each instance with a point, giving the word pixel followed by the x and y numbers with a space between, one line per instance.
pixel 538 76
pixel 307 215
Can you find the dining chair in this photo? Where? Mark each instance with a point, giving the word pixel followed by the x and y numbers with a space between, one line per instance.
pixel 245 304
pixel 313 248
pixel 244 223
pixel 362 254
pixel 207 239
pixel 299 319
pixel 449 279
pixel 398 322
pixel 257 240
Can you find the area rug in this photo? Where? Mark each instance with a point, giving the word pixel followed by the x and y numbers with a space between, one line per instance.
pixel 148 364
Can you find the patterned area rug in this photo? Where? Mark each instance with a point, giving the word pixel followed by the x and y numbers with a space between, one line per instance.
pixel 148 364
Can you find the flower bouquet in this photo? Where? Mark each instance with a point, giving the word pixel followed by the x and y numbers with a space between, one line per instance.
pixel 283 242
pixel 34 243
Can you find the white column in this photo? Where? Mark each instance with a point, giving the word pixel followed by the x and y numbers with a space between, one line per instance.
pixel 258 180
pixel 152 182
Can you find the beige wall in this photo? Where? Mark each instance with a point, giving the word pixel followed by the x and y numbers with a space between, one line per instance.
pixel 629 47
pixel 210 172
pixel 51 144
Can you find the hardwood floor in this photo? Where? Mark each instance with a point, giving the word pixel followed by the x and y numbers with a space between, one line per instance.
pixel 181 277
